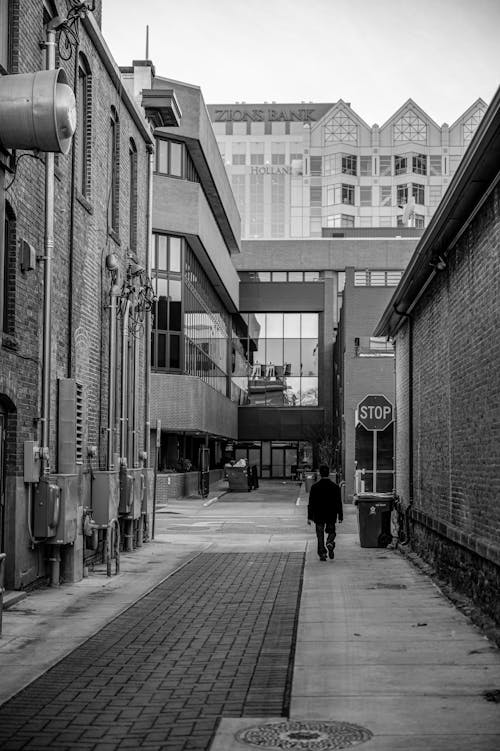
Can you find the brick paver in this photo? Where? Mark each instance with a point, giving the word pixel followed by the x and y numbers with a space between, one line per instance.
pixel 215 639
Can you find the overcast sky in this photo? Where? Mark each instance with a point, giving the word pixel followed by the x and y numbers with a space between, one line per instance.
pixel 375 54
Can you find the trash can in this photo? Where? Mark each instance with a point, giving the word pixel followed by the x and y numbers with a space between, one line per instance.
pixel 310 480
pixel 374 519
pixel 239 478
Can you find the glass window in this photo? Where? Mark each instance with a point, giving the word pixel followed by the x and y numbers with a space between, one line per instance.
pixel 114 170
pixel 291 327
pixel 309 325
pixel 175 254
pixel 311 276
pixel 401 195
pixel 316 165
pixel 295 276
pixel 4 34
pixel 386 195
pixel 365 195
pixel 365 166
pixel 419 164
pixel 419 220
pixel 400 165
pixel 83 127
pixel 348 194
pixel 274 325
pixel 346 220
pixel 309 392
pixel 176 151
pixel 132 153
pixel 385 166
pixel 349 164
pixel 435 165
pixel 418 193
pixel 279 276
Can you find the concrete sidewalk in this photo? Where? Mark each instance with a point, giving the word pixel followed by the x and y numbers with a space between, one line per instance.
pixel 382 657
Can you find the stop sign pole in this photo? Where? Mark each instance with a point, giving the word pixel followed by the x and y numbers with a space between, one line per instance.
pixel 375 412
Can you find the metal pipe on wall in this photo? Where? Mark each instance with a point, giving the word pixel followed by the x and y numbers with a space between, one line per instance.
pixel 124 385
pixel 147 334
pixel 114 294
pixel 47 280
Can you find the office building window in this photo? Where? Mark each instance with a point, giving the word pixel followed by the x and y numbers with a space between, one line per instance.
pixel 371 278
pixel 349 164
pixel 279 276
pixel 348 194
pixel 283 367
pixel 256 205
pixel 436 167
pixel 400 165
pixel 386 195
pixel 419 221
pixel 257 153
pixel 365 195
pixel 385 165
pixel 341 127
pixel 435 194
pixel 278 152
pixel 239 153
pixel 419 164
pixel 365 166
pixel 401 195
pixel 315 195
pixel 471 124
pixel 277 205
pixel 418 193
pixel 316 165
pixel 7 272
pixel 171 158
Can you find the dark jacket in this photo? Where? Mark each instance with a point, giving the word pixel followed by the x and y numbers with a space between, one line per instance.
pixel 325 502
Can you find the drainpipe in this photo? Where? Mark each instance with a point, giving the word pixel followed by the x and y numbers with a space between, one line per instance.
pixel 47 280
pixel 124 384
pixel 111 263
pixel 410 419
pixel 147 334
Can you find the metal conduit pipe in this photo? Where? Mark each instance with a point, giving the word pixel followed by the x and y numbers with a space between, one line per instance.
pixel 114 294
pixel 47 280
pixel 147 331
pixel 124 386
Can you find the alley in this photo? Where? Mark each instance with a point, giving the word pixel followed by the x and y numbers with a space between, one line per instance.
pixel 227 626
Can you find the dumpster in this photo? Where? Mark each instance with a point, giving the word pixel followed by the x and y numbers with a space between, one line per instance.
pixel 238 478
pixel 374 519
pixel 310 479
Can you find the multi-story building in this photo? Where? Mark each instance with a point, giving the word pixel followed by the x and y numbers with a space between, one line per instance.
pixel 74 296
pixel 198 336
pixel 298 168
pixel 443 319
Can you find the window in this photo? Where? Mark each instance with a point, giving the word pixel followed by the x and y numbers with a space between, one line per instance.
pixel 4 35
pixel 349 165
pixel 419 220
pixel 170 157
pixel 7 265
pixel 418 193
pixel 365 166
pixel 278 152
pixel 386 195
pixel 257 153
pixel 365 195
pixel 114 171
pixel 132 156
pixel 400 165
pixel 83 127
pixel 346 220
pixel 167 311
pixel 435 194
pixel 348 194
pixel 369 278
pixel 401 195
pixel 419 164
pixel 284 359
pixel 316 162
pixel 315 195
pixel 385 166
pixel 435 165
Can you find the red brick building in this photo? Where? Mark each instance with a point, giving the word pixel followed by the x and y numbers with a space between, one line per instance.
pixel 444 319
pixel 73 384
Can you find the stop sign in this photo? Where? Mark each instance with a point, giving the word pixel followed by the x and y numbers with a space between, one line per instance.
pixel 375 412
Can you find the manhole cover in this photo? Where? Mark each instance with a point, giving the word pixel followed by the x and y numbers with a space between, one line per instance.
pixel 305 736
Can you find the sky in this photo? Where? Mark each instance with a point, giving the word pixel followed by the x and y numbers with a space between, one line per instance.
pixel 375 54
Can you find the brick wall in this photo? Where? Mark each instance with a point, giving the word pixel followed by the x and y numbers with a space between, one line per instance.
pixel 456 409
pixel 80 282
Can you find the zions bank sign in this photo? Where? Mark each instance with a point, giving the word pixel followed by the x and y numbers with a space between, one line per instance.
pixel 302 115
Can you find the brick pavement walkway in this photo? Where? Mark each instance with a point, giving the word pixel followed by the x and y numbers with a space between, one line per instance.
pixel 214 639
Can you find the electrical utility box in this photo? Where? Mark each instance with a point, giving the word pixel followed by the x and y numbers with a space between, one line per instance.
pixel 46 509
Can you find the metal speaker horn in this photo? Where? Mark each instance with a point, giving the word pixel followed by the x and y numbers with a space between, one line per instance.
pixel 37 111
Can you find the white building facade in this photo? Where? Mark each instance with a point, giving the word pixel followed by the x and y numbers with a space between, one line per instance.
pixel 298 168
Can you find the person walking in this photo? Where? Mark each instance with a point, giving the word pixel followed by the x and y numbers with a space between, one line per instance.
pixel 325 509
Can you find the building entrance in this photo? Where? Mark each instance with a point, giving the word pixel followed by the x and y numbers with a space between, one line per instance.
pixel 275 459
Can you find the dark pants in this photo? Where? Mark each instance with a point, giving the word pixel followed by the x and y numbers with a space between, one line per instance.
pixel 321 528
